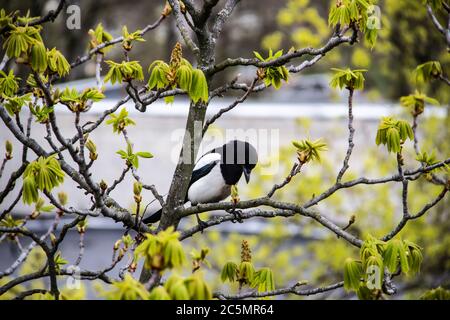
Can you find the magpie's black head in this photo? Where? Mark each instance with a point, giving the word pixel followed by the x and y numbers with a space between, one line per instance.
pixel 237 157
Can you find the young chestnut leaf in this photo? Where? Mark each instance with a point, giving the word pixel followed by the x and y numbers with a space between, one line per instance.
pixel 198 90
pixel 353 273
pixel 347 78
pixel 229 272
pixel 38 57
pixel 120 121
pixel 57 62
pixel 8 83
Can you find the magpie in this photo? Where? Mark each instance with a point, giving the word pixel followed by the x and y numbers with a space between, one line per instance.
pixel 215 172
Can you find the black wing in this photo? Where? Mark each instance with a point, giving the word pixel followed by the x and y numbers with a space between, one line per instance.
pixel 153 218
pixel 201 172
pixel 196 175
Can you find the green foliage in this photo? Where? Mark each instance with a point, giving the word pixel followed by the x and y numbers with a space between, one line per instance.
pixel 346 78
pixel 435 4
pixel 38 57
pixel 90 145
pixel 9 222
pixel 120 121
pixel 8 149
pixel 264 280
pixel 346 11
pixel 128 289
pixel 158 75
pixel 176 288
pixel 274 74
pixel 436 294
pixel 59 261
pixel 193 287
pixel 63 198
pixel 429 159
pixel 42 174
pixel 77 102
pixel 245 273
pixel 21 39
pixel 416 102
pixel 57 62
pixel 427 71
pixel 128 38
pixel 131 158
pixel 393 133
pixel 378 212
pixel 197 288
pixel 199 259
pixel 179 75
pixel 8 83
pixel 229 272
pixel 159 293
pixel 14 104
pixel 5 19
pixel 40 207
pixel 41 113
pixel 308 150
pixel 395 255
pixel 371 36
pixel 82 226
pixel 99 36
pixel 198 90
pixel 404 255
pixel 353 273
pixel 161 251
pixel 124 71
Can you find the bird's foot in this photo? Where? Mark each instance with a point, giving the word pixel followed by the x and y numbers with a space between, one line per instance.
pixel 237 215
pixel 202 224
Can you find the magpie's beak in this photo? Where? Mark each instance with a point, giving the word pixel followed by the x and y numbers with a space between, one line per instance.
pixel 247 172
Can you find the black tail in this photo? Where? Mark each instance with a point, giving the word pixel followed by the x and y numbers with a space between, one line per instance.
pixel 153 218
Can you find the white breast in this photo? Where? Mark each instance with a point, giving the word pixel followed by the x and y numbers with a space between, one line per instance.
pixel 212 187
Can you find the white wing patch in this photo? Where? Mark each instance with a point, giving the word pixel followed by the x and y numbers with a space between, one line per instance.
pixel 212 187
pixel 207 159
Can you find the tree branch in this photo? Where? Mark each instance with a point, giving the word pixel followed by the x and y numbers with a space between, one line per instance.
pixel 289 290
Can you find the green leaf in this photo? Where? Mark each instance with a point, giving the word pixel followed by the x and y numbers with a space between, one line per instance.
pixel 184 77
pixel 8 84
pixel 347 78
pixel 427 71
pixel 391 255
pixel 158 75
pixel 416 102
pixel 120 121
pixel 42 174
pixel 174 256
pixel 99 36
pixel 264 280
pixel 159 293
pixel 258 56
pixel 92 94
pixel 57 62
pixel 132 289
pixel 353 273
pixel 144 154
pixel 198 90
pixel 229 272
pixel 309 150
pixel 126 70
pixel 197 287
pixel 19 41
pixel 38 57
